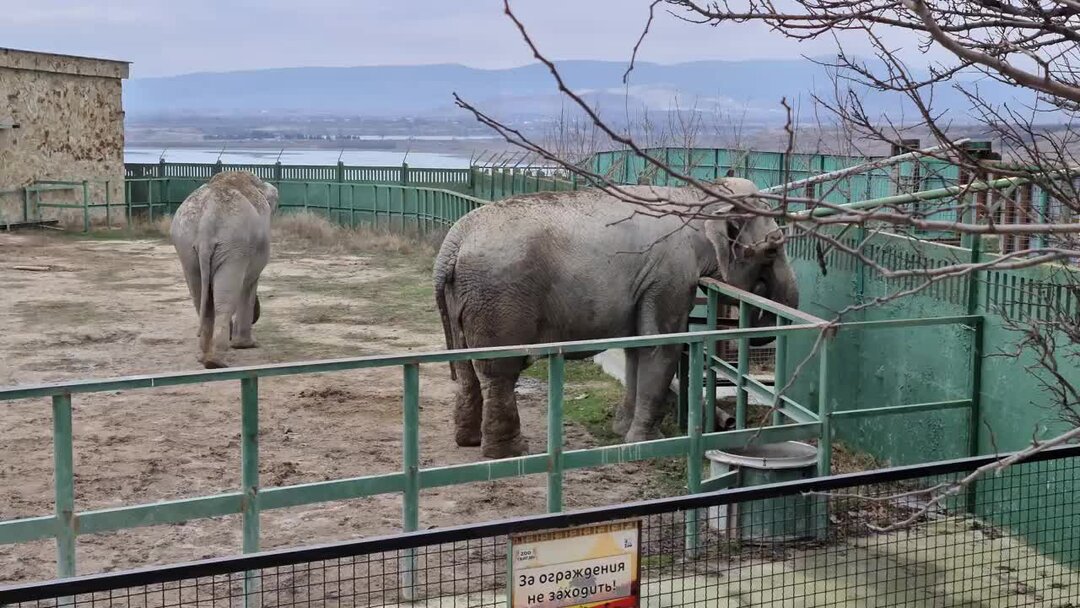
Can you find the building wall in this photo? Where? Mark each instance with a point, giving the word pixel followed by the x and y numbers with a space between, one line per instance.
pixel 70 128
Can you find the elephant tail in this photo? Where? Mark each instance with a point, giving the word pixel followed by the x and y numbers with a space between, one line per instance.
pixel 206 297
pixel 444 275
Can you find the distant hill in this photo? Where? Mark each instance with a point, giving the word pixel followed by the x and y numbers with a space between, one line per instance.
pixel 426 90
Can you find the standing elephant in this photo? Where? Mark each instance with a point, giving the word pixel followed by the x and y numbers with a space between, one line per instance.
pixel 222 234
pixel 587 265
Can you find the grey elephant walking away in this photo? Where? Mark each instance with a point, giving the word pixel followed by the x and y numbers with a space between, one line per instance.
pixel 588 265
pixel 221 233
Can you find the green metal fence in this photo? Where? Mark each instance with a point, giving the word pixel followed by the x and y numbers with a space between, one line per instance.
pixel 768 169
pixel 454 179
pixel 351 204
pixel 794 421
pixel 495 183
pixel 37 201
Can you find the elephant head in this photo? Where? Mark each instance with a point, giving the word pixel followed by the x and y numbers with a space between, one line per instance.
pixel 750 253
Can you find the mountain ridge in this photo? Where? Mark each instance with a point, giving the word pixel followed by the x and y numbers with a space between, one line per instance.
pixel 753 87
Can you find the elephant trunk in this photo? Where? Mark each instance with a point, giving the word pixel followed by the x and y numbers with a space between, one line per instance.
pixel 777 283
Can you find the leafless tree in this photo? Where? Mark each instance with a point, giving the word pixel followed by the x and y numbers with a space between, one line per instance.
pixel 1030 45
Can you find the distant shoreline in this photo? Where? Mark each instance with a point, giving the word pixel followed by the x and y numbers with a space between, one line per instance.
pixel 455 147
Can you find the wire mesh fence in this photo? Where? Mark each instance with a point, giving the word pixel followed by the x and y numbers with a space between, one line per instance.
pixel 1011 540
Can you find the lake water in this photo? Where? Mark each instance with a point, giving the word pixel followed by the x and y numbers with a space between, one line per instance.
pixel 296 157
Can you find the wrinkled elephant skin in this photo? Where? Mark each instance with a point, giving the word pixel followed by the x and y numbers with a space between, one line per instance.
pixel 586 265
pixel 221 233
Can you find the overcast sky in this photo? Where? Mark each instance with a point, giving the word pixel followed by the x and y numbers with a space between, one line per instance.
pixel 163 38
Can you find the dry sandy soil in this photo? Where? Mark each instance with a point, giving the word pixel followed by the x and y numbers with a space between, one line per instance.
pixel 111 307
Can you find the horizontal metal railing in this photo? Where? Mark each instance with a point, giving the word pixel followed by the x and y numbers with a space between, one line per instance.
pixel 350 204
pixel 802 423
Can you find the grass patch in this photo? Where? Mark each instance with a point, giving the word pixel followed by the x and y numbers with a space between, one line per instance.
pixel 405 299
pixel 846 459
pixel 286 347
pixel 589 396
pixel 322 314
pixel 139 228
pixel 308 231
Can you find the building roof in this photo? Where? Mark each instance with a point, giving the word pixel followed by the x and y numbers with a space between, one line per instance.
pixel 63 64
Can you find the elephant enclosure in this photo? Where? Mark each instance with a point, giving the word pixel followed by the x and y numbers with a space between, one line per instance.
pixel 95 308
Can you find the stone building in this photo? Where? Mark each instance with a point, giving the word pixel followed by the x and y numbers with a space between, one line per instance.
pixel 61 120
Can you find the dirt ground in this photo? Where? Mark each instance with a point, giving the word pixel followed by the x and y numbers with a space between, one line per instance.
pixel 115 307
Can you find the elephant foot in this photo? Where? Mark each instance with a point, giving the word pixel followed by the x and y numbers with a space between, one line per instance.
pixel 635 435
pixel 467 438
pixel 620 425
pixel 517 446
pixel 214 364
pixel 240 344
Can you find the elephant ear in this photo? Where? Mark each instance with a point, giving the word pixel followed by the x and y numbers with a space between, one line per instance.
pixel 725 232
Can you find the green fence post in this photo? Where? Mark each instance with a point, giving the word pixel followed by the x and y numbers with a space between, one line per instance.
pixel 694 455
pixel 975 280
pixel 824 413
pixel 555 432
pixel 682 401
pixel 108 203
pixel 713 303
pixel 411 462
pixel 744 368
pixel 249 476
pixel 821 505
pixel 779 371
pixel 64 471
pixel 150 200
pixel 860 269
pixel 128 189
pixel 86 205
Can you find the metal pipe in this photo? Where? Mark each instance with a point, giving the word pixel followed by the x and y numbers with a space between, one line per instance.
pixel 925 195
pixel 695 451
pixel 779 371
pixel 86 205
pixel 825 439
pixel 824 414
pixel 863 168
pixel 64 471
pixel 410 503
pixel 555 432
pixel 712 306
pixel 249 475
pixel 744 368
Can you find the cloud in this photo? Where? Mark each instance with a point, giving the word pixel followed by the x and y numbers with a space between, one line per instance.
pixel 162 38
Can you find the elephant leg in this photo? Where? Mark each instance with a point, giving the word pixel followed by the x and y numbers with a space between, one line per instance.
pixel 656 367
pixel 624 412
pixel 240 336
pixel 206 335
pixel 468 408
pixel 194 284
pixel 226 282
pixel 501 424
